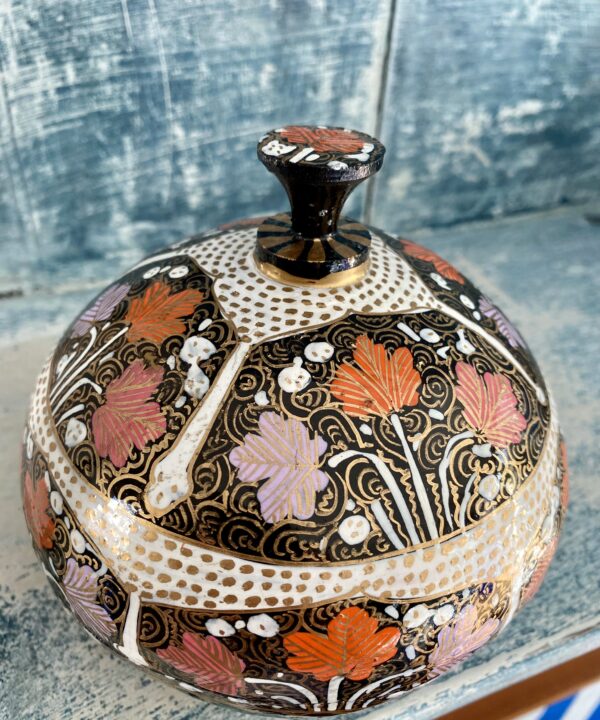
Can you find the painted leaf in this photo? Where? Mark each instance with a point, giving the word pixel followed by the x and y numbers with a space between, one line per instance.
pixel 36 504
pixel 380 384
pixel 538 575
pixel 101 310
pixel 324 139
pixel 129 418
pixel 489 405
pixel 455 642
pixel 564 486
pixel 353 647
pixel 286 454
pixel 211 664
pixel 510 332
pixel 441 266
pixel 80 586
pixel 157 314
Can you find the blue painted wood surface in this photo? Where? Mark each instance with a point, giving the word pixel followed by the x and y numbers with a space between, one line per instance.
pixel 51 670
pixel 492 108
pixel 126 124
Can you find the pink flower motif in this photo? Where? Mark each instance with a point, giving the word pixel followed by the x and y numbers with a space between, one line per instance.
pixel 505 327
pixel 490 405
pixel 286 454
pixel 102 309
pixel 36 504
pixel 457 641
pixel 80 586
pixel 129 417
pixel 212 665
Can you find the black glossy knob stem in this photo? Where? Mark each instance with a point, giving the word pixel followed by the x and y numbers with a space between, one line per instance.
pixel 318 167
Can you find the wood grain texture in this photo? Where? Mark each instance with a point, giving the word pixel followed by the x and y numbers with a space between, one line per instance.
pixel 491 108
pixel 51 670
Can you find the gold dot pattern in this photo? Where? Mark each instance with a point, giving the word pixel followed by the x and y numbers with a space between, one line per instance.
pixel 262 308
pixel 165 564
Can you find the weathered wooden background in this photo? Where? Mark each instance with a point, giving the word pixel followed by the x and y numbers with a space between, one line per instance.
pixel 125 124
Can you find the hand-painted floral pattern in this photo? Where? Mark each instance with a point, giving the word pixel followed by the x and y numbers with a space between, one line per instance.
pixel 441 266
pixel 352 648
pixel 564 483
pixel 324 139
pixel 274 571
pixel 490 405
pixel 458 640
pixel 538 575
pixel 380 384
pixel 211 665
pixel 80 585
pixel 157 314
pixel 510 332
pixel 36 503
pixel 284 452
pixel 129 418
pixel 102 308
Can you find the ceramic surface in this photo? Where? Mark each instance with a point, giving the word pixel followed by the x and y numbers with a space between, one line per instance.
pixel 293 498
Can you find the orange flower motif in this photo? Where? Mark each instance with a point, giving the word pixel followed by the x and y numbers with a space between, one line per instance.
pixel 489 405
pixel 36 505
pixel 353 647
pixel 538 575
pixel 156 315
pixel 442 266
pixel 324 139
pixel 380 384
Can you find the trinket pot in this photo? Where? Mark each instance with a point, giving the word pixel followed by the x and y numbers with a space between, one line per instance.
pixel 294 465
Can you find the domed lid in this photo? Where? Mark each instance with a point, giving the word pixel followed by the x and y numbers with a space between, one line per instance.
pixel 293 393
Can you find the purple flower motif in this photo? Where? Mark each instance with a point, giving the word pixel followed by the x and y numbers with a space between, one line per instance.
pixel 80 586
pixel 460 639
pixel 503 324
pixel 287 456
pixel 102 309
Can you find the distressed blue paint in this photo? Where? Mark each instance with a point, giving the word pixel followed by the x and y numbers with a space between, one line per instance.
pixel 543 272
pixel 129 123
pixel 492 108
pixel 126 124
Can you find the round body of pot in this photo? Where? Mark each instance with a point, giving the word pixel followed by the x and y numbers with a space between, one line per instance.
pixel 294 465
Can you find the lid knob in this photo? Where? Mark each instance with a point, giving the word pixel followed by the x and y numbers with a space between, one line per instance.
pixel 318 167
